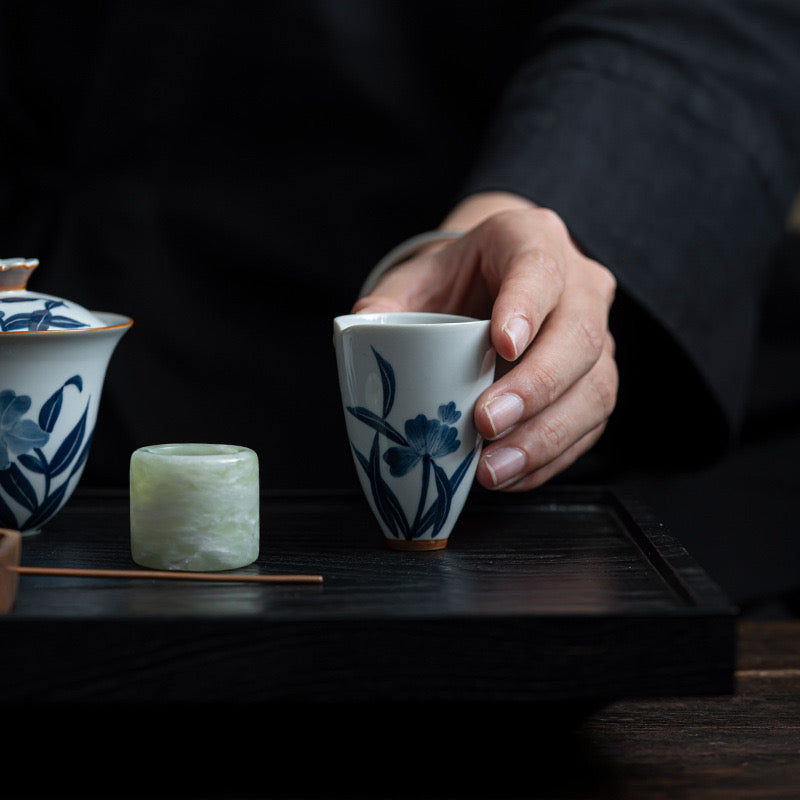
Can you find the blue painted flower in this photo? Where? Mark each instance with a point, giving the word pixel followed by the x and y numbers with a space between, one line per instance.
pixel 17 435
pixel 448 413
pixel 426 438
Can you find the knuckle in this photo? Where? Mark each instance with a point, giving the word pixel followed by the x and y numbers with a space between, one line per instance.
pixel 553 435
pixel 546 383
pixel 534 267
pixel 547 263
pixel 549 219
pixel 593 333
pixel 498 225
pixel 607 283
pixel 604 384
pixel 603 280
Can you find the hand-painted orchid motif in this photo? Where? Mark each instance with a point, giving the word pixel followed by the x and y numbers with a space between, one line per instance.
pixel 425 440
pixel 17 435
pixel 41 319
pixel 24 439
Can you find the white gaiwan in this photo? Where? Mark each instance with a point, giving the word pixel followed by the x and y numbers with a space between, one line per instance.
pixel 53 360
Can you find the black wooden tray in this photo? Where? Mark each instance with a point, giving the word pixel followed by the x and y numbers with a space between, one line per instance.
pixel 562 595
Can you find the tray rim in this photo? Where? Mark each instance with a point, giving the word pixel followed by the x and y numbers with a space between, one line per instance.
pixel 692 653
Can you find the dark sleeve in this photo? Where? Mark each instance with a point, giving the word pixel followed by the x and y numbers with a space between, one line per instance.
pixel 666 134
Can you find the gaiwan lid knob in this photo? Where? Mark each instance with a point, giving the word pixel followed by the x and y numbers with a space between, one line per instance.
pixel 23 310
pixel 14 272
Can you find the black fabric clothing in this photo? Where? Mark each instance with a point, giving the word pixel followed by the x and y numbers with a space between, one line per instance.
pixel 669 122
pixel 227 174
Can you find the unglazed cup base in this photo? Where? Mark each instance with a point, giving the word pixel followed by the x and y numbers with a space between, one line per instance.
pixel 425 544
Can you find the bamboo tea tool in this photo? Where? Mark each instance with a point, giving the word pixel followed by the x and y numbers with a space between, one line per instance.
pixel 10 570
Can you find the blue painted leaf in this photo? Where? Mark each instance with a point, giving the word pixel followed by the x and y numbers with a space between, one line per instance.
pixel 69 447
pixel 392 503
pixel 444 498
pixel 48 507
pixel 374 421
pixel 385 499
pixel 48 415
pixel 396 510
pixel 387 381
pixel 423 496
pixel 33 463
pixel 82 457
pixel 398 522
pixel 18 487
pixel 461 470
pixel 66 323
pixel 17 322
pixel 39 320
pixel 7 518
pixel 375 485
pixel 427 519
pixel 361 459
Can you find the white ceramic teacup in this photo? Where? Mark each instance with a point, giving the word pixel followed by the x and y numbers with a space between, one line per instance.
pixel 409 382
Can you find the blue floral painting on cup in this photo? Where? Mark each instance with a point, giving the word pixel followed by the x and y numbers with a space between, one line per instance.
pixel 423 440
pixel 22 454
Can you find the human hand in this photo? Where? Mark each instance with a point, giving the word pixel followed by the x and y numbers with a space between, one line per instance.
pixel 549 304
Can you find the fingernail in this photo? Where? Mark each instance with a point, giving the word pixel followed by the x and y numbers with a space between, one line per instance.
pixel 504 464
pixel 503 412
pixel 518 330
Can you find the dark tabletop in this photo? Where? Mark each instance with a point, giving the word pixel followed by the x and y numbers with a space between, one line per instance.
pixel 563 647
pixel 574 595
pixel 737 746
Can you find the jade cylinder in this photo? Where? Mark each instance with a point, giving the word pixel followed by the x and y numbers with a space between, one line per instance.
pixel 194 507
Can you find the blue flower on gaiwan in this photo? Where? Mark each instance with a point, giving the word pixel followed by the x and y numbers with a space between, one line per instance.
pixel 31 479
pixel 423 442
pixel 17 435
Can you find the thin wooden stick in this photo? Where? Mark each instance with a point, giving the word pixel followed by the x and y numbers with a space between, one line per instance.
pixel 162 575
pixel 10 570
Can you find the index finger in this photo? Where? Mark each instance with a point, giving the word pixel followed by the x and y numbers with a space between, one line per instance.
pixel 523 259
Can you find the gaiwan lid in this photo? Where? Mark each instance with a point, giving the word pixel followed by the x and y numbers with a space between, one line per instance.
pixel 23 310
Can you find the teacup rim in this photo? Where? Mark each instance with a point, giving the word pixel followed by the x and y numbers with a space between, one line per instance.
pixel 408 319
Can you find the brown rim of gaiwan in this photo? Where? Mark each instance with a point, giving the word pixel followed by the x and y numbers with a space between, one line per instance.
pixel 14 272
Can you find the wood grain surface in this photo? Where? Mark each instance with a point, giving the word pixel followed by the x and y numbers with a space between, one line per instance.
pixel 572 597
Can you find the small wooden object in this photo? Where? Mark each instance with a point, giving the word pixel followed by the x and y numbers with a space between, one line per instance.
pixel 10 570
